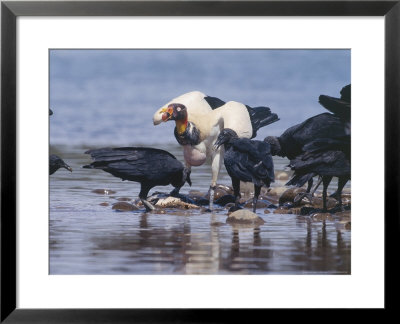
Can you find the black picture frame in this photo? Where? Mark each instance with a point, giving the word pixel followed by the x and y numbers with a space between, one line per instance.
pixel 10 10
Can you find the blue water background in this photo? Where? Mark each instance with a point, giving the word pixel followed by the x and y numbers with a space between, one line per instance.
pixel 108 97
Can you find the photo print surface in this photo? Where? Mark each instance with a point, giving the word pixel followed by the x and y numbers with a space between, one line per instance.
pixel 199 161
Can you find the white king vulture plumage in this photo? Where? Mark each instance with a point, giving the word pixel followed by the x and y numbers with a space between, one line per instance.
pixel 199 120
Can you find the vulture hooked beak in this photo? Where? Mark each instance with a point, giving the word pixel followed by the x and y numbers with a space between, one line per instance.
pixel 166 113
pixel 220 140
pixel 162 115
pixel 224 137
pixel 66 166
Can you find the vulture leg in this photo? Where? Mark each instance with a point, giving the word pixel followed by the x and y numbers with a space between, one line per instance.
pixel 300 196
pixel 325 182
pixel 175 192
pixel 309 193
pixel 215 167
pixel 316 186
pixel 338 194
pixel 236 192
pixel 144 191
pixel 257 190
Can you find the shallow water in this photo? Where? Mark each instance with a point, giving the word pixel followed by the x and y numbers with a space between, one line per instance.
pixel 88 237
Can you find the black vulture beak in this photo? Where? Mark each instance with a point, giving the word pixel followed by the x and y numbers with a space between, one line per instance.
pixel 67 167
pixel 218 142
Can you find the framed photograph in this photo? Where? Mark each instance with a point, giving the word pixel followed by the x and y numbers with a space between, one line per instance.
pixel 231 123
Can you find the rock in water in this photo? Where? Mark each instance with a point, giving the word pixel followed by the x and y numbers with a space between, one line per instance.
pixel 260 204
pixel 276 191
pixel 222 201
pixel 282 211
pixel 290 194
pixel 103 191
pixel 244 216
pixel 317 202
pixel 320 217
pixel 124 206
pixel 282 175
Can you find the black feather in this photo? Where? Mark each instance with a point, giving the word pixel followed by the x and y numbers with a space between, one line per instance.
pixel 214 102
pixel 55 163
pixel 151 167
pixel 246 160
pixel 260 117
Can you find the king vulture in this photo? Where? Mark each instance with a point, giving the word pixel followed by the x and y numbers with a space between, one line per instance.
pixel 199 120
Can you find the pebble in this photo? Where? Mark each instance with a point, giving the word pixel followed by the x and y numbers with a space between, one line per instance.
pixel 217 224
pixel 318 217
pixel 195 193
pixel 272 198
pixel 124 206
pixel 344 214
pixel 218 193
pixel 246 189
pixel 260 204
pixel 104 204
pixel 289 195
pixel 284 211
pixel 282 176
pixel 317 202
pixel 103 191
pixel 245 217
pixel 276 191
pixel 200 201
pixel 222 201
pixel 266 211
pixel 124 199
pixel 228 189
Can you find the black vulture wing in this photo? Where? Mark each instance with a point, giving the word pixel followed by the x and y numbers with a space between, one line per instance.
pixel 326 125
pixel 252 160
pixel 153 166
pixel 323 163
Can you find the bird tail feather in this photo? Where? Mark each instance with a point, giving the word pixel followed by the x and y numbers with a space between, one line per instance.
pixel 300 180
pixel 260 117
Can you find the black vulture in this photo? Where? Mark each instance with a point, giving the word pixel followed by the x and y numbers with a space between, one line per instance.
pixel 246 160
pixel 55 162
pixel 199 120
pixel 149 166
pixel 324 163
pixel 321 133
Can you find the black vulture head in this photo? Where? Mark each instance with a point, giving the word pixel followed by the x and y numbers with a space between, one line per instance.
pixel 56 163
pixel 274 144
pixel 224 137
pixel 345 93
pixel 174 111
pixel 183 177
